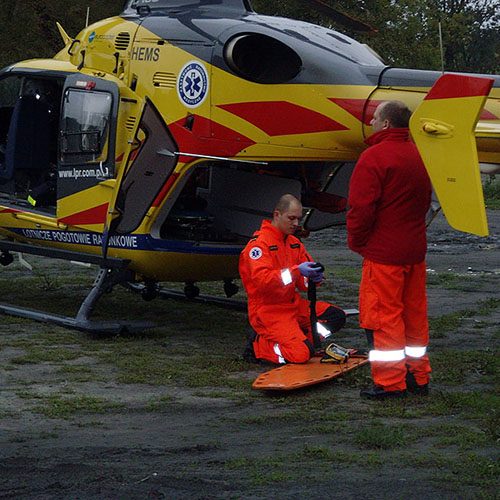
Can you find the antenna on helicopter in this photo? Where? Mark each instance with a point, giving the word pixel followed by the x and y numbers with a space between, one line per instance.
pixel 441 47
pixel 87 20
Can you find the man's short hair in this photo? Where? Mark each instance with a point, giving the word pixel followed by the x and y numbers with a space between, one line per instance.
pixel 396 112
pixel 284 203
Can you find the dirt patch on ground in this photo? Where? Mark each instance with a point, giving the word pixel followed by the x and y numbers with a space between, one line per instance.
pixel 171 413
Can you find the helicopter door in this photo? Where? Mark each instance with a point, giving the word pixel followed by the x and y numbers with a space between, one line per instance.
pixel 150 165
pixel 87 137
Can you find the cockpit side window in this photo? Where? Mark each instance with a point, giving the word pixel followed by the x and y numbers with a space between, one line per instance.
pixel 85 127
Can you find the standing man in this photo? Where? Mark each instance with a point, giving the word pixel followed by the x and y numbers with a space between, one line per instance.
pixel 389 195
pixel 273 267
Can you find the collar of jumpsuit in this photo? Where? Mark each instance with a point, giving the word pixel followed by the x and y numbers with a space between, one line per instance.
pixel 391 134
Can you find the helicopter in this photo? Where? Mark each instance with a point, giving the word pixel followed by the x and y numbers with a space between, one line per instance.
pixel 155 142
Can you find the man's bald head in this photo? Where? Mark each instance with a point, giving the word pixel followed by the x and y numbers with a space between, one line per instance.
pixel 287 214
pixel 391 114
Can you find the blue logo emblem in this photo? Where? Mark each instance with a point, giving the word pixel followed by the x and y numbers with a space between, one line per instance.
pixel 192 84
pixel 255 253
pixel 92 37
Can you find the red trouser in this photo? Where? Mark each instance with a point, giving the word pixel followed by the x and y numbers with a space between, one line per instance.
pixel 393 304
pixel 284 331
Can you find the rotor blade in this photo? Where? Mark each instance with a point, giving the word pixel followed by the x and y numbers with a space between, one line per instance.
pixel 339 17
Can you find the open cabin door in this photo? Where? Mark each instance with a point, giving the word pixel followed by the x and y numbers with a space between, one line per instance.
pixel 150 162
pixel 87 137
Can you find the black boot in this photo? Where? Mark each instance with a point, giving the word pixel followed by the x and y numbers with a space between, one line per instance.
pixel 413 387
pixel 378 392
pixel 248 352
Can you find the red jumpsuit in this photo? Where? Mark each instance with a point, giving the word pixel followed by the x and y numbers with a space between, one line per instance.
pixel 280 316
pixel 389 195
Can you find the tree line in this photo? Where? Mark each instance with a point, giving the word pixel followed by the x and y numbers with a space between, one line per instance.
pixel 407 31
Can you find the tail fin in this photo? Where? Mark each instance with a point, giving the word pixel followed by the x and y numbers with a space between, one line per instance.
pixel 443 128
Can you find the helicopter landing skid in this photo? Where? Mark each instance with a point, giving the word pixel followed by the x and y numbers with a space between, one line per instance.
pixel 96 327
pixel 112 271
pixel 239 305
pixel 204 299
pixel 168 293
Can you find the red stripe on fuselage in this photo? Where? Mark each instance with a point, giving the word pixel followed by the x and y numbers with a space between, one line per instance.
pixel 208 138
pixel 282 118
pixel 455 86
pixel 94 215
pixel 358 108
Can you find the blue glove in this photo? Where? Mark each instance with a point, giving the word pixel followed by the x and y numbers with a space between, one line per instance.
pixel 317 278
pixel 311 270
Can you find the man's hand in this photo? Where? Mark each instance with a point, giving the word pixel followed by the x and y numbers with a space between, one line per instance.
pixel 318 278
pixel 312 270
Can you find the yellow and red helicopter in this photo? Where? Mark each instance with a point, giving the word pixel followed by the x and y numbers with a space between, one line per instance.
pixel 154 142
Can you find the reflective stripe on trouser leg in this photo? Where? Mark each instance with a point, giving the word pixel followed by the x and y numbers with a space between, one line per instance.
pixel 277 351
pixel 418 364
pixel 387 366
pixel 415 352
pixel 381 311
pixel 385 356
pixel 279 324
pixel 322 331
pixel 417 325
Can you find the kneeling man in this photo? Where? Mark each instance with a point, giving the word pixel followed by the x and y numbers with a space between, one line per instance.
pixel 274 267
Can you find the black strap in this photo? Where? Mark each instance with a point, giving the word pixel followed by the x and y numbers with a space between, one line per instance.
pixel 311 295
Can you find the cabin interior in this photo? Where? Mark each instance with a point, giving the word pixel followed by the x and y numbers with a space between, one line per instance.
pixel 29 131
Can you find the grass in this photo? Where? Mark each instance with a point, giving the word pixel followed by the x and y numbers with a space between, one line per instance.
pixel 190 363
pixel 456 281
pixel 61 406
pixel 458 367
pixel 452 321
pixel 35 355
pixel 159 404
pixel 379 436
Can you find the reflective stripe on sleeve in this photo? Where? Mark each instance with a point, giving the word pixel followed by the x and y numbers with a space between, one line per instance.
pixel 277 351
pixel 415 352
pixel 386 355
pixel 286 276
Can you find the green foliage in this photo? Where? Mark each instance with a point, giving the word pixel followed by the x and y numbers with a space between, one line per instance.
pixel 491 191
pixel 407 30
pixel 29 28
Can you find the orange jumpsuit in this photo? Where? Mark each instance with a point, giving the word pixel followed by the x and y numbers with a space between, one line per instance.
pixel 389 195
pixel 279 315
